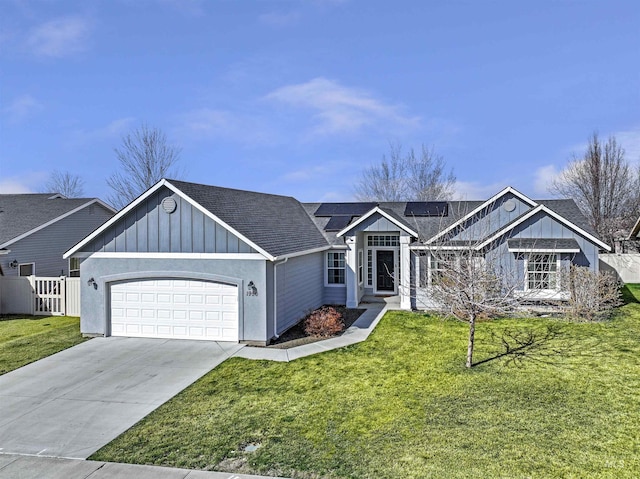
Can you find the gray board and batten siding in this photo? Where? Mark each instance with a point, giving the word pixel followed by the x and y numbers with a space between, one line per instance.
pixel 46 247
pixel 149 228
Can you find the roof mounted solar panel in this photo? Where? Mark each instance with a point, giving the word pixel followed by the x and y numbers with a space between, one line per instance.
pixel 344 209
pixel 426 208
pixel 336 223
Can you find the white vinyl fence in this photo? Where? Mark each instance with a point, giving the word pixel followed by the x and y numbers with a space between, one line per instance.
pixel 33 295
pixel 625 266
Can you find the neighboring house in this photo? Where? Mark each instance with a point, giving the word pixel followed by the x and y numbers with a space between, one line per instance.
pixel 635 231
pixel 193 261
pixel 36 230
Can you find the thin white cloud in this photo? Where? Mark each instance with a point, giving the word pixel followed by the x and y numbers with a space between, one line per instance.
pixel 194 8
pixel 112 130
pixel 21 108
pixel 339 109
pixel 544 178
pixel 279 19
pixel 207 123
pixel 22 184
pixel 59 37
pixel 630 141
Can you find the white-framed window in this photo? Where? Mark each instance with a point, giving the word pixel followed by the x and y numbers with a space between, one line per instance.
pixel 542 272
pixel 335 268
pixel 369 267
pixel 360 266
pixel 26 269
pixel 383 240
pixel 74 267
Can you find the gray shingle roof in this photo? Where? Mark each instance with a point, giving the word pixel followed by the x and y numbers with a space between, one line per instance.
pixel 21 213
pixel 277 224
pixel 428 227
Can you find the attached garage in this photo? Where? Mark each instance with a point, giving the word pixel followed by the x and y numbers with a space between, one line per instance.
pixel 175 309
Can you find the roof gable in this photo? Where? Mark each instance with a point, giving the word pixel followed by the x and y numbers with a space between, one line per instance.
pixel 24 214
pixel 272 225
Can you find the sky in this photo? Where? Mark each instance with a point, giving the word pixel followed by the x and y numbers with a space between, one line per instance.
pixel 299 97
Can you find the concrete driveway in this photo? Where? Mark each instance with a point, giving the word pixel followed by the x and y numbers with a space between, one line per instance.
pixel 74 402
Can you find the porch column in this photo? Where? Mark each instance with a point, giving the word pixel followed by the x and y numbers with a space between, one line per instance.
pixel 351 268
pixel 404 288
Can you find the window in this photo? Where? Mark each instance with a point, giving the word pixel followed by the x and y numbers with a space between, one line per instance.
pixel 335 267
pixel 360 267
pixel 369 267
pixel 74 267
pixel 439 265
pixel 542 271
pixel 27 269
pixel 383 240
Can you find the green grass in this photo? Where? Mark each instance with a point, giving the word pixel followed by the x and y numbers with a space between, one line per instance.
pixel 402 405
pixel 27 339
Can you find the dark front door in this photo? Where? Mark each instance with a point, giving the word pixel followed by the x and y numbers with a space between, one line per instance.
pixel 384 270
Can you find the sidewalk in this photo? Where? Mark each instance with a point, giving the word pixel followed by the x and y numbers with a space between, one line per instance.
pixel 38 467
pixel 358 332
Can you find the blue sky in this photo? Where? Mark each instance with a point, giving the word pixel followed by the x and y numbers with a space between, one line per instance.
pixel 297 97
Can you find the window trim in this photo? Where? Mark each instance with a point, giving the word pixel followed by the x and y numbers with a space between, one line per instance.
pixel 74 269
pixel 360 267
pixel 33 269
pixel 343 268
pixel 558 286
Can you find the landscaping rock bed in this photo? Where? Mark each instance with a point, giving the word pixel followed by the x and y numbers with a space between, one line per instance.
pixel 297 337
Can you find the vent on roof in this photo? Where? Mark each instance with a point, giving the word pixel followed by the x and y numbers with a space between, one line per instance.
pixel 344 209
pixel 336 223
pixel 426 208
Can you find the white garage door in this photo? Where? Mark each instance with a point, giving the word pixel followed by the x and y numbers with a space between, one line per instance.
pixel 175 308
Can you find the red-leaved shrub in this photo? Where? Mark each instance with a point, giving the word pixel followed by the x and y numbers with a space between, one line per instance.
pixel 323 322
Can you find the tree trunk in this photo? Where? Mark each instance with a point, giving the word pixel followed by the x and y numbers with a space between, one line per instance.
pixel 472 332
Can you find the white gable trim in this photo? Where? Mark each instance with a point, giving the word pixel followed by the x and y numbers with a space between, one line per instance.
pixel 302 253
pixel 561 219
pixel 544 250
pixel 494 198
pixel 55 220
pixel 382 213
pixel 182 195
pixel 635 231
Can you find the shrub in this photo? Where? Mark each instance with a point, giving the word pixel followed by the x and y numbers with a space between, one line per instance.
pixel 323 322
pixel 593 295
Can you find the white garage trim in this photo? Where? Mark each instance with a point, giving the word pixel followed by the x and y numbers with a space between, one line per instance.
pixel 174 308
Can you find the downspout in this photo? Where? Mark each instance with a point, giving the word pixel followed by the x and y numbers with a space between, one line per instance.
pixel 275 296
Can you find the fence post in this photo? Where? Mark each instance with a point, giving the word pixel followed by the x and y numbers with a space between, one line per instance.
pixel 63 296
pixel 32 283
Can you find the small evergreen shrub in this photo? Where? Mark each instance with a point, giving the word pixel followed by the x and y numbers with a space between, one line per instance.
pixel 323 322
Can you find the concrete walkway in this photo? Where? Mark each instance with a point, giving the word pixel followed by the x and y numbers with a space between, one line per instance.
pixel 358 332
pixel 72 403
pixel 37 467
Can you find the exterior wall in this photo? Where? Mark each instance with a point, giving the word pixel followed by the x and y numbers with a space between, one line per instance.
pixel 494 219
pixel 148 228
pixel 299 288
pixel 376 224
pixel 252 310
pixel 335 295
pixel 543 226
pixel 46 247
pixel 512 264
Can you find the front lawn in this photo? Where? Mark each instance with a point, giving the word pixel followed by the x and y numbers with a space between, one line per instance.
pixel 27 339
pixel 402 405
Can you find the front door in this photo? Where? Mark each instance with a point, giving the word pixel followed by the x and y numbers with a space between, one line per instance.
pixel 384 271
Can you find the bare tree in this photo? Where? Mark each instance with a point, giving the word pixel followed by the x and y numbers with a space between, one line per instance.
pixel 604 186
pixel 467 284
pixel 65 183
pixel 401 177
pixel 145 157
